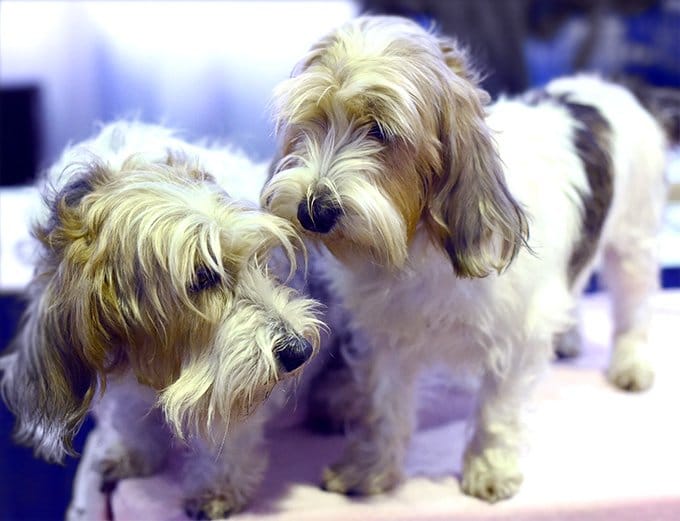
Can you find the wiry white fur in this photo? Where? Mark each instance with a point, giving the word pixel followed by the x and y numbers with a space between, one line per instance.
pixel 629 256
pixel 132 216
pixel 501 327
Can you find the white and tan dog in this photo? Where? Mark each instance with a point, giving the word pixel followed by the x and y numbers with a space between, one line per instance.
pixel 463 234
pixel 153 287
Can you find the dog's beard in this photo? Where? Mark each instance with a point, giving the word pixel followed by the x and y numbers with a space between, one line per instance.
pixel 234 373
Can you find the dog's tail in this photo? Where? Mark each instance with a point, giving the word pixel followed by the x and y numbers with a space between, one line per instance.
pixel 46 384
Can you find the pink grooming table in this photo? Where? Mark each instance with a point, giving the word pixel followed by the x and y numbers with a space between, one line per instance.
pixel 594 453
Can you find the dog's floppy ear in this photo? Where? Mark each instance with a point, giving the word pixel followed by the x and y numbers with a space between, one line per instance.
pixel 45 382
pixel 472 214
pixel 49 377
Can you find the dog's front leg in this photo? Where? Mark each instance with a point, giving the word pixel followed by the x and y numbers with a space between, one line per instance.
pixel 373 461
pixel 491 468
pixel 221 477
pixel 134 439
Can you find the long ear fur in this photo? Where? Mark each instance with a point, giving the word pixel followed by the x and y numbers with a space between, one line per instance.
pixel 473 216
pixel 49 378
pixel 45 383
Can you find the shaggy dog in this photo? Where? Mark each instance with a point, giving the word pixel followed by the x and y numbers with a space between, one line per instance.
pixel 153 291
pixel 462 234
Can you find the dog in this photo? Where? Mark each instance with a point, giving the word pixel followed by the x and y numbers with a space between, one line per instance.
pixel 462 233
pixel 155 302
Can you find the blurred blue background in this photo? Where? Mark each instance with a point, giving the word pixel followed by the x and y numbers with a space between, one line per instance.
pixel 208 69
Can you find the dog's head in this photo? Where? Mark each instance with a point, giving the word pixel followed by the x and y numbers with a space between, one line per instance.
pixel 156 270
pixel 382 131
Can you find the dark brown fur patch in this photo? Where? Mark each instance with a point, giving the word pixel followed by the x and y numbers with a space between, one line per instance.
pixel 592 142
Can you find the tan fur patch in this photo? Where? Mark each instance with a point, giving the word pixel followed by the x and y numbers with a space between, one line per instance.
pixel 434 162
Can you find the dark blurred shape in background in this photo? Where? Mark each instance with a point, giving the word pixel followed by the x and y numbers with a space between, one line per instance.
pixel 519 44
pixel 494 31
pixel 19 134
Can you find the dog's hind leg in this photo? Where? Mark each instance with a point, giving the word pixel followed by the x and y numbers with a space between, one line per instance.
pixel 333 407
pixel 631 266
pixel 631 273
pixel 568 344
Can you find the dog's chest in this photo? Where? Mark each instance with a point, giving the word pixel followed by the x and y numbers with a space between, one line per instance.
pixel 426 309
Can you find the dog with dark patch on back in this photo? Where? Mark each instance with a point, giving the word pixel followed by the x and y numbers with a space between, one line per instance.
pixel 462 233
pixel 155 301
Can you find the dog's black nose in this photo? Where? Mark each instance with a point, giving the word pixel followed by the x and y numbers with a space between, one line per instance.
pixel 323 216
pixel 292 353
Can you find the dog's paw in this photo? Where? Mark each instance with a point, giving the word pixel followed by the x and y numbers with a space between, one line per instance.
pixel 628 369
pixel 120 464
pixel 635 375
pixel 357 478
pixel 569 343
pixel 491 476
pixel 212 505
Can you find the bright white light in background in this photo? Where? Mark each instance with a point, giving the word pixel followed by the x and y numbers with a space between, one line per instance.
pixel 28 32
pixel 207 66
pixel 262 32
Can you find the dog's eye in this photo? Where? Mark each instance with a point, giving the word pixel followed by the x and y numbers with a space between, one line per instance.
pixel 376 132
pixel 204 278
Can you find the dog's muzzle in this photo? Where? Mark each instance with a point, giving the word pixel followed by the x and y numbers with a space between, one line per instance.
pixel 318 216
pixel 293 352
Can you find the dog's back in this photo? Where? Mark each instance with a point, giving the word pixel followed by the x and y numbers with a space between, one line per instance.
pixel 117 142
pixel 637 152
pixel 593 142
